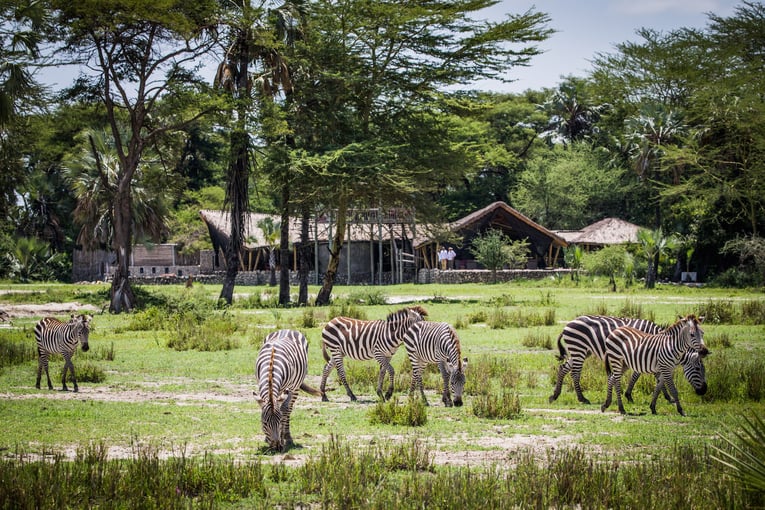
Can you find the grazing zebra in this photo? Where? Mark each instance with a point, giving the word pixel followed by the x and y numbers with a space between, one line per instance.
pixel 56 337
pixel 364 340
pixel 586 335
pixel 281 368
pixel 436 342
pixel 656 354
pixel 693 368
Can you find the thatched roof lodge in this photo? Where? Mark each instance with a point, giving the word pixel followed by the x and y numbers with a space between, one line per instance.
pixel 545 245
pixel 605 232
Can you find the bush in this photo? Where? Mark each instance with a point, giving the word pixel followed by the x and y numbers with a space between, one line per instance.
pixel 87 372
pixel 411 414
pixel 347 310
pixel 507 406
pixel 536 338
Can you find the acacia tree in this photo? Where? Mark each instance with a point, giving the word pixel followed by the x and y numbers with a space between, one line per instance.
pixel 134 52
pixel 373 134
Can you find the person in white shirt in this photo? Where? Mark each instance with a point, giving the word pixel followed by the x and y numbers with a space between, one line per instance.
pixel 442 258
pixel 450 256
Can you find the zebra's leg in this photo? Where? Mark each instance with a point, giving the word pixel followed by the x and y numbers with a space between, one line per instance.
pixel 669 384
pixel 446 396
pixel 69 365
pixel 385 366
pixel 42 364
pixel 341 374
pixel 563 369
pixel 659 386
pixel 324 374
pixel 576 374
pixel 417 370
pixel 630 385
pixel 287 406
pixel 618 383
pixel 609 391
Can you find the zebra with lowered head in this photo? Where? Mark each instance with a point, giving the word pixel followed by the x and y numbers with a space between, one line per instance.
pixel 364 340
pixel 693 368
pixel 56 337
pixel 584 336
pixel 436 342
pixel 281 368
pixel 656 354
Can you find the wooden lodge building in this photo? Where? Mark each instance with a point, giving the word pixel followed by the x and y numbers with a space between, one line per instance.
pixel 380 247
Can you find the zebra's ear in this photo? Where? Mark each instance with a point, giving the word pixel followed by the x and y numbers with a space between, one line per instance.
pixel 701 319
pixel 258 399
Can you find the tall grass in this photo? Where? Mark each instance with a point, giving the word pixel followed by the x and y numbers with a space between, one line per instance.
pixel 16 347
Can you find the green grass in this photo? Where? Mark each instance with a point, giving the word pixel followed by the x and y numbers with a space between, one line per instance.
pixel 202 401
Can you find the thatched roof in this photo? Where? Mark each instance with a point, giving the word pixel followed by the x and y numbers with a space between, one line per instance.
pixel 603 233
pixel 219 226
pixel 501 216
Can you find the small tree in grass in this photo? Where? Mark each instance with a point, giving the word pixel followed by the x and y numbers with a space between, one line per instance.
pixel 493 250
pixel 609 262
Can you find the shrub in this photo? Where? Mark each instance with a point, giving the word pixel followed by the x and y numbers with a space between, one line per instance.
pixel 536 338
pixel 212 334
pixel 507 406
pixel 87 372
pixel 753 311
pixel 412 414
pixel 367 297
pixel 347 310
pixel 718 311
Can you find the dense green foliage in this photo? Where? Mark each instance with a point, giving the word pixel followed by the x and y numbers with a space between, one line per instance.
pixel 355 104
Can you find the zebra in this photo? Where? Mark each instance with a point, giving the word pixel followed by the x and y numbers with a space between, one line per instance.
pixel 656 354
pixel 56 337
pixel 364 340
pixel 281 367
pixel 693 368
pixel 436 342
pixel 586 335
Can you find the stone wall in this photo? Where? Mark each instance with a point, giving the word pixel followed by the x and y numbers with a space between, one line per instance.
pixel 485 276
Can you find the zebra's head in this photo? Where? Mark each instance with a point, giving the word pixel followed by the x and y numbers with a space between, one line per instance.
pixel 695 373
pixel 457 380
pixel 80 325
pixel 694 334
pixel 271 421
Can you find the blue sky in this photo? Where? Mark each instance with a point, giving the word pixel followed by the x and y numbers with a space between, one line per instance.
pixel 587 27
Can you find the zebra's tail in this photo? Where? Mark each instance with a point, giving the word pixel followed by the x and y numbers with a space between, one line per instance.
pixel 608 366
pixel 561 348
pixel 324 351
pixel 310 390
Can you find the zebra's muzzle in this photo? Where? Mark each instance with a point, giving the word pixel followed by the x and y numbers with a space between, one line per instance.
pixel 458 402
pixel 702 390
pixel 85 347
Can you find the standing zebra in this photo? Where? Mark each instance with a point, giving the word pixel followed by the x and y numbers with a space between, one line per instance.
pixel 56 337
pixel 364 340
pixel 656 354
pixel 436 342
pixel 586 335
pixel 281 367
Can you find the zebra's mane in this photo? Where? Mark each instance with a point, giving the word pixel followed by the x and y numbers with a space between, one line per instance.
pixel 682 321
pixel 404 311
pixel 457 346
pixel 271 378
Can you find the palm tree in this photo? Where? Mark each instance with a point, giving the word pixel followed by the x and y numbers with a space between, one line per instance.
pixel 571 115
pixel 253 62
pixel 271 234
pixel 648 135
pixel 654 243
pixel 93 176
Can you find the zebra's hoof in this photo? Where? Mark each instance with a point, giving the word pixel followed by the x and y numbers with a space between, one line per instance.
pixel 584 401
pixel 552 399
pixel 324 398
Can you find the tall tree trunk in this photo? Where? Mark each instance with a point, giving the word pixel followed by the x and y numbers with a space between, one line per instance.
pixel 304 265
pixel 122 297
pixel 322 299
pixel 237 200
pixel 284 248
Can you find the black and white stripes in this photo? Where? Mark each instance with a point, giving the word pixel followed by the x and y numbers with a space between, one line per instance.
pixel 436 342
pixel 365 340
pixel 584 336
pixel 56 337
pixel 657 354
pixel 281 367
